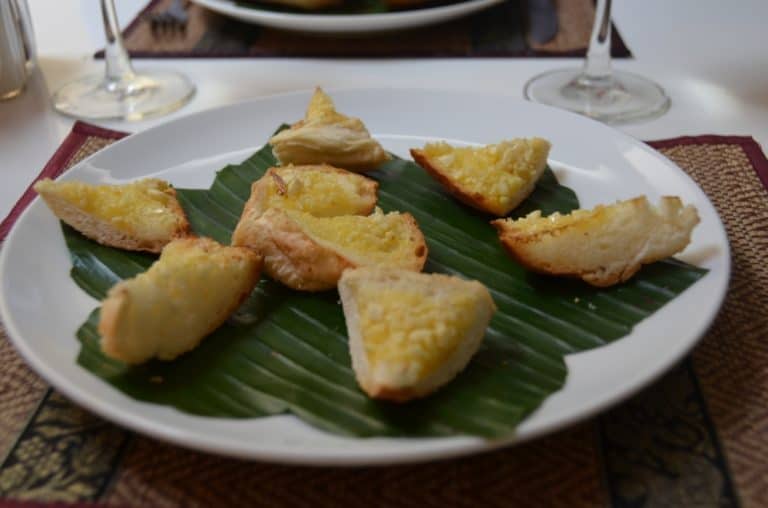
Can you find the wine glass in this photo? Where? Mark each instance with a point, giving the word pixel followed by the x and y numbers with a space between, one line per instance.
pixel 122 93
pixel 596 90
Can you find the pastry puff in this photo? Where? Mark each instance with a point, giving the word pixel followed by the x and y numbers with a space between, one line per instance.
pixel 325 136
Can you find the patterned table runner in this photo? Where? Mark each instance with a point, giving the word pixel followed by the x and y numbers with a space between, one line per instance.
pixel 500 31
pixel 697 437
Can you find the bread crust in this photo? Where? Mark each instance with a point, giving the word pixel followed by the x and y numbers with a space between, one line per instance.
pixel 105 233
pixel 295 259
pixel 388 387
pixel 631 232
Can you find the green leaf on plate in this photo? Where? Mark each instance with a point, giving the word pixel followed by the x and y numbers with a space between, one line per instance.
pixel 286 351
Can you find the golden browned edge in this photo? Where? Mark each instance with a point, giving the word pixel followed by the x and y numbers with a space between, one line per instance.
pixel 529 263
pixel 116 297
pixel 185 229
pixel 475 200
pixel 422 250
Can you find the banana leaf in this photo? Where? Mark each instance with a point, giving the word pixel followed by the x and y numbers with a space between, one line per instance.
pixel 286 351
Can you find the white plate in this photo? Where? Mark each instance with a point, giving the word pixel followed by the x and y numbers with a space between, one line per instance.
pixel 42 307
pixel 347 23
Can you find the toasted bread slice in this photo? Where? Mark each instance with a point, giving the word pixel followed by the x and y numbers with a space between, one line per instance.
pixel 602 246
pixel 492 178
pixel 185 295
pixel 322 190
pixel 410 333
pixel 142 215
pixel 327 136
pixel 310 253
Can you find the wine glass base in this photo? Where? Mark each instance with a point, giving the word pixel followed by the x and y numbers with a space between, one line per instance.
pixel 141 96
pixel 622 97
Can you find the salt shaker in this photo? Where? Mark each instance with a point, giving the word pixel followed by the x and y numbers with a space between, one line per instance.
pixel 17 50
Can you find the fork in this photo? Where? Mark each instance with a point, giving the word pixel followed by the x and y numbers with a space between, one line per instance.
pixel 172 19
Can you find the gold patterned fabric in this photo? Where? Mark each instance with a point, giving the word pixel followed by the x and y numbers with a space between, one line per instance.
pixel 697 437
pixel 732 361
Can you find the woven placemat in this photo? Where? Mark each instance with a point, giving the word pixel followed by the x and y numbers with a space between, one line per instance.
pixel 500 31
pixel 697 437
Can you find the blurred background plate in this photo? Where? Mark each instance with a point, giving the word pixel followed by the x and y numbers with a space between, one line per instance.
pixel 331 23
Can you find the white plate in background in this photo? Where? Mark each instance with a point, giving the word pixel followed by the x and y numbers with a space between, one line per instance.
pixel 347 23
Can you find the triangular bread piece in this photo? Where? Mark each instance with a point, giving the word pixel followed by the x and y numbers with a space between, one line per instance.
pixel 410 333
pixel 186 294
pixel 492 178
pixel 602 246
pixel 143 215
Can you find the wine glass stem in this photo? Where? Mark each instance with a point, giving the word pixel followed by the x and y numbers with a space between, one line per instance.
pixel 597 65
pixel 119 69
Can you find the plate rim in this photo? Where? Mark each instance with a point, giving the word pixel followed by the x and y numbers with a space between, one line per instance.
pixel 463 445
pixel 347 23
